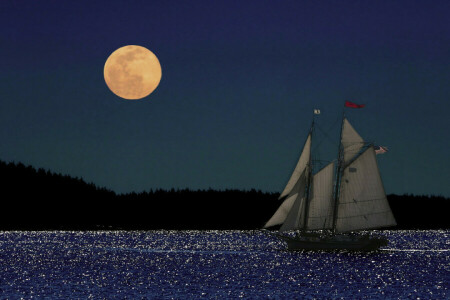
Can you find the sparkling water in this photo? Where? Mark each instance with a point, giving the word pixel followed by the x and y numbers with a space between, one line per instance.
pixel 216 264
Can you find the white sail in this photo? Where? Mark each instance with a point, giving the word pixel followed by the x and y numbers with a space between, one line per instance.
pixel 320 213
pixel 299 169
pixel 280 215
pixel 351 141
pixel 362 201
pixel 295 218
pixel 282 212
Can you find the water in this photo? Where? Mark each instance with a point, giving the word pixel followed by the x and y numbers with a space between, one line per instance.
pixel 216 264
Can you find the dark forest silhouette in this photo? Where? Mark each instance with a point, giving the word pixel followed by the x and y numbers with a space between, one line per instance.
pixel 42 200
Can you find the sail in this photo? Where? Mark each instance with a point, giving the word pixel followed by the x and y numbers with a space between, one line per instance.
pixel 320 214
pixel 280 215
pixel 298 191
pixel 295 217
pixel 362 201
pixel 351 141
pixel 299 169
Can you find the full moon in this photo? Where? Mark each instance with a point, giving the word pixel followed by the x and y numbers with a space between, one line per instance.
pixel 132 72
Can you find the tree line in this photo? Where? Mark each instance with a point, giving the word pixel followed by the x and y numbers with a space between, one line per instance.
pixel 42 200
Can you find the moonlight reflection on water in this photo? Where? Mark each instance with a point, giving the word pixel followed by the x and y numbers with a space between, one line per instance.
pixel 216 264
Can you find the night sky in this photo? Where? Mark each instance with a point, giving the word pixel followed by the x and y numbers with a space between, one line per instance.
pixel 240 80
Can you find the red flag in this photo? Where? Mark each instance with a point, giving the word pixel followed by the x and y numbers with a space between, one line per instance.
pixel 380 149
pixel 353 105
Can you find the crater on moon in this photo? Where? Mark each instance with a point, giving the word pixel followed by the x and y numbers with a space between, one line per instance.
pixel 132 72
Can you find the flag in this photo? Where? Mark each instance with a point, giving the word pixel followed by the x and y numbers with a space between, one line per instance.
pixel 317 111
pixel 353 105
pixel 380 149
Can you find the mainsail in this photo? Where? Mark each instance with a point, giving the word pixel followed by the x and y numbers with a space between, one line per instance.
pixel 320 214
pixel 362 200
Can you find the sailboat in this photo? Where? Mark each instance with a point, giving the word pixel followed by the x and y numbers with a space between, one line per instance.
pixel 326 209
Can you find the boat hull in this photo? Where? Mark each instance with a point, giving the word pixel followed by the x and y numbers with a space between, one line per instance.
pixel 332 243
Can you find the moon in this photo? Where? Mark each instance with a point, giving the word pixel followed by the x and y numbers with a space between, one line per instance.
pixel 132 72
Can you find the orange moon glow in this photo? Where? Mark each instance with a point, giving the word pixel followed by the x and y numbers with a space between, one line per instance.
pixel 132 72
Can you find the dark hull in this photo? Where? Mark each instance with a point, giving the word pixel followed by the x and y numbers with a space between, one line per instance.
pixel 330 243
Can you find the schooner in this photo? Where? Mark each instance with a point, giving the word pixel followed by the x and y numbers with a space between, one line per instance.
pixel 337 200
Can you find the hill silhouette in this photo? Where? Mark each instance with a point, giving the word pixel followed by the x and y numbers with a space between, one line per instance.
pixel 42 200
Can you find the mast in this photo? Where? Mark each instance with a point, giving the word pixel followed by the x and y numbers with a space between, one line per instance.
pixel 308 184
pixel 338 175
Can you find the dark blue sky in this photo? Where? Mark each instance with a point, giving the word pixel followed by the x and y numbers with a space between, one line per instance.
pixel 240 81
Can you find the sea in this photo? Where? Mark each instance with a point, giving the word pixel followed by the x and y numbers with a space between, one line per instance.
pixel 217 265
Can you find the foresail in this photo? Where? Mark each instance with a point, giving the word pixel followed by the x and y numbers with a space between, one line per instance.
pixel 320 214
pixel 362 200
pixel 280 215
pixel 351 141
pixel 298 191
pixel 295 218
pixel 299 169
